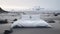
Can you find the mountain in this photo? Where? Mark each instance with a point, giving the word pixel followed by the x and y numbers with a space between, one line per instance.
pixel 3 11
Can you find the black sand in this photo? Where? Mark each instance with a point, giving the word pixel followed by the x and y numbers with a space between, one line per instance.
pixel 54 30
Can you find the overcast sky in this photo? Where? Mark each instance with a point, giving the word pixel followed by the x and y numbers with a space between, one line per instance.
pixel 25 4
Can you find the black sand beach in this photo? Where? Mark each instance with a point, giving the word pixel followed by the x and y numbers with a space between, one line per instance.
pixel 54 30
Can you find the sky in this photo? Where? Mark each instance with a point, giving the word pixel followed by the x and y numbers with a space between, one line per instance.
pixel 26 4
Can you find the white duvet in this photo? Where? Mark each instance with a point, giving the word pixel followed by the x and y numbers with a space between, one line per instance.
pixel 30 21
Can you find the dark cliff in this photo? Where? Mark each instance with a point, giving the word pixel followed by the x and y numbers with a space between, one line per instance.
pixel 3 11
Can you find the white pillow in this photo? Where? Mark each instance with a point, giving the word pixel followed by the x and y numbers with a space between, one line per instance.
pixel 35 17
pixel 30 17
pixel 25 17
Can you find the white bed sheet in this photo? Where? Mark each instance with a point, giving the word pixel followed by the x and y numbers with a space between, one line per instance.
pixel 30 23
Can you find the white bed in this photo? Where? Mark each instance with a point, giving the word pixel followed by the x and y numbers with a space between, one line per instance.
pixel 30 21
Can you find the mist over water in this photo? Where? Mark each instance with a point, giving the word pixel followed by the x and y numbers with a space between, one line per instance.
pixel 28 4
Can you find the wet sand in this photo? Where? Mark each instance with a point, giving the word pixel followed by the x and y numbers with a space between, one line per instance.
pixel 54 30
